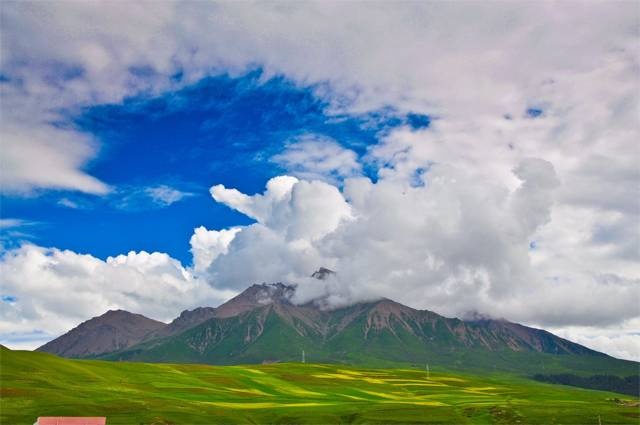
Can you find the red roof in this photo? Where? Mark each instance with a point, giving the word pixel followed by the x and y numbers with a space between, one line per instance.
pixel 75 420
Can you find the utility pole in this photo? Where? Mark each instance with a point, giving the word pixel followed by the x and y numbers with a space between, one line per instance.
pixel 303 357
pixel 427 370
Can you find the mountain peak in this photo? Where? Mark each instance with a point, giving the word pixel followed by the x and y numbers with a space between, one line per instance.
pixel 114 330
pixel 322 273
pixel 266 293
pixel 115 313
pixel 255 296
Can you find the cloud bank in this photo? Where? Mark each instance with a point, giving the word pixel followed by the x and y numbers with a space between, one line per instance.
pixel 469 62
pixel 53 290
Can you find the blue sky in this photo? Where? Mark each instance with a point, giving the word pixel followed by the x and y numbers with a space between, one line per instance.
pixel 219 130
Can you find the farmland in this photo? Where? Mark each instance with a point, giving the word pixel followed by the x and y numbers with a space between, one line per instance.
pixel 39 384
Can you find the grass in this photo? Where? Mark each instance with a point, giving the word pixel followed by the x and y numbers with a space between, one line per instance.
pixel 38 384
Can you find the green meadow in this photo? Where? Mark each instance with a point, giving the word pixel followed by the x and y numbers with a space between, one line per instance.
pixel 38 384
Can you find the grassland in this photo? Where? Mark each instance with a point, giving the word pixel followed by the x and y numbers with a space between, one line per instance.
pixel 37 384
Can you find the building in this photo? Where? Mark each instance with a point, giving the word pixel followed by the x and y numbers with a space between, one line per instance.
pixel 71 420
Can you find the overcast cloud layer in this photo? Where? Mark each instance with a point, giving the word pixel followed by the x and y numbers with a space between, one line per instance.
pixel 520 200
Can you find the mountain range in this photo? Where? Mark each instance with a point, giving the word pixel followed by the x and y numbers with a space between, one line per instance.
pixel 262 325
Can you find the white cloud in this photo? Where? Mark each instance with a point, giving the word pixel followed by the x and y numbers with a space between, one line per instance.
pixel 7 223
pixel 621 340
pixel 13 230
pixel 164 195
pixel 41 156
pixel 55 290
pixel 207 245
pixel 66 202
pixel 291 215
pixel 135 198
pixel 465 62
pixel 257 207
pixel 314 157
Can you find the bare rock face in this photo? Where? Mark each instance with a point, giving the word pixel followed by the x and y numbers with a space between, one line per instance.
pixel 114 330
pixel 256 296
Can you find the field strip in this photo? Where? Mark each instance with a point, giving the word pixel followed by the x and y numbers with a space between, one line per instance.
pixel 284 387
pixel 421 384
pixel 353 397
pixel 402 396
pixel 253 391
pixel 262 405
pixel 337 376
pixel 417 402
pixel 450 379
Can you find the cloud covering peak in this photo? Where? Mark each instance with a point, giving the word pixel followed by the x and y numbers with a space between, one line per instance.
pixel 453 245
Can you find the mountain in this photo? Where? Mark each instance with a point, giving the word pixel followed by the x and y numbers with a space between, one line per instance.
pixel 262 325
pixel 115 330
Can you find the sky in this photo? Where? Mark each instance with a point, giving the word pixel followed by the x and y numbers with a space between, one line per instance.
pixel 467 158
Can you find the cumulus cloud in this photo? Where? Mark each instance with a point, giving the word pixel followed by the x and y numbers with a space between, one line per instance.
pixel 257 207
pixel 291 216
pixel 207 245
pixel 54 290
pixel 452 245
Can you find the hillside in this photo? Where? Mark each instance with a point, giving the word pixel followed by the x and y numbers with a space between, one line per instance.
pixel 36 384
